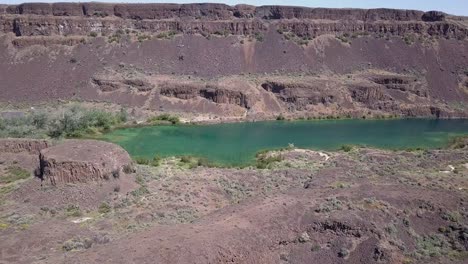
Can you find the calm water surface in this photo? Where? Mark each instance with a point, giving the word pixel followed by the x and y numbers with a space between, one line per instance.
pixel 238 143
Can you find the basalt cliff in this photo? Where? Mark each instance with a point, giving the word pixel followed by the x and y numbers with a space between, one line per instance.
pixel 239 61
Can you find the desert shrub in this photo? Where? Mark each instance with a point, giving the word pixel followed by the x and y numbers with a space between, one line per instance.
pixel 18 131
pixel 164 118
pixel 122 116
pixel 156 161
pixel 303 41
pixel 6 189
pixel 143 37
pixel 409 39
pixel 73 210
pixel 289 35
pixel 452 216
pixel 259 37
pixel 280 117
pixel 140 180
pixel 93 34
pixel 204 162
pixel 76 244
pixel 78 122
pixel 192 162
pixel 432 246
pixel 458 142
pixel 331 204
pixel 340 185
pixel 100 119
pixel 14 173
pixel 315 248
pixel 167 34
pixel 343 253
pixel 406 222
pixel 116 37
pixel 224 33
pixel 142 160
pixel 71 123
pixel 346 148
pixel 39 119
pixel 391 229
pixel 343 38
pixel 140 191
pixel 264 161
pixel 185 159
pixel 128 168
pixel 104 208
pixel 116 174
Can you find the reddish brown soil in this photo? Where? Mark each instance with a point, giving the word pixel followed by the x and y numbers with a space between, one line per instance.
pixel 367 205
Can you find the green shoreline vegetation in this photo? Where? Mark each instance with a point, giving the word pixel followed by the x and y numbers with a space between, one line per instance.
pixel 73 122
pixel 79 122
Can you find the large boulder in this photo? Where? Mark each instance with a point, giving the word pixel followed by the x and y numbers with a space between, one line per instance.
pixel 82 160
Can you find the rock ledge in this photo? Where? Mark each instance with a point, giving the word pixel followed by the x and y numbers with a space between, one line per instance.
pixel 82 160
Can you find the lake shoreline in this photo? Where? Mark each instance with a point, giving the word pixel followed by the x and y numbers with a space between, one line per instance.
pixel 233 142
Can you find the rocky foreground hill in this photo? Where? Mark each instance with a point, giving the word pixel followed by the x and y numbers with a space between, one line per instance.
pixel 237 61
pixel 301 206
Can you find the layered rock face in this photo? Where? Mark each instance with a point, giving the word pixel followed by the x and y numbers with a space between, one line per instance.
pixel 210 11
pixel 81 161
pixel 18 145
pixel 38 19
pixel 243 61
pixel 213 93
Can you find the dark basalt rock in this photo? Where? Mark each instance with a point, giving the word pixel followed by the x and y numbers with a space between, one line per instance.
pixel 215 11
pixel 433 16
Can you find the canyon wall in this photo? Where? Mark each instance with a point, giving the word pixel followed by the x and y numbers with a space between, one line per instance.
pixel 242 61
pixel 38 19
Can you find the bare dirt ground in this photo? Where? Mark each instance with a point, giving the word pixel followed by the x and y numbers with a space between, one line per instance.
pixel 362 206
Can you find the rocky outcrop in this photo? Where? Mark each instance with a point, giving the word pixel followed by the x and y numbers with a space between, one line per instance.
pixel 77 161
pixel 314 28
pixel 214 11
pixel 18 145
pixel 371 92
pixel 300 95
pixel 206 10
pixel 34 19
pixel 401 83
pixel 210 92
pixel 22 42
pixel 292 60
pixel 291 12
pixel 82 26
pixel 368 94
pixel 110 81
pixel 433 16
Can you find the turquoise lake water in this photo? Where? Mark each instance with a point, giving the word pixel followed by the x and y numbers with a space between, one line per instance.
pixel 237 143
